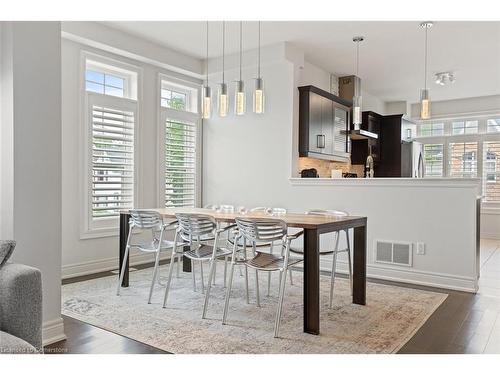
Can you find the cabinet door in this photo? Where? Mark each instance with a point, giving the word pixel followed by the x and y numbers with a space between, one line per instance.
pixel 341 117
pixel 315 124
pixel 327 125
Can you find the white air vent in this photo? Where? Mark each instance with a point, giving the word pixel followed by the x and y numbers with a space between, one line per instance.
pixel 398 253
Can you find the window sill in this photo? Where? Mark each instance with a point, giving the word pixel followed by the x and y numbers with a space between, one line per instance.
pixel 99 233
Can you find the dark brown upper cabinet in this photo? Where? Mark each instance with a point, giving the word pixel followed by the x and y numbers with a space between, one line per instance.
pixel 323 117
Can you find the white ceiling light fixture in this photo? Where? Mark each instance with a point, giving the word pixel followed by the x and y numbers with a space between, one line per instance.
pixel 357 100
pixel 207 91
pixel 239 95
pixel 444 78
pixel 425 105
pixel 258 94
pixel 223 98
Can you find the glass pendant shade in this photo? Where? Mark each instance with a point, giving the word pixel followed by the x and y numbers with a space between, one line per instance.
pixel 356 112
pixel 206 102
pixel 425 105
pixel 258 96
pixel 239 99
pixel 223 100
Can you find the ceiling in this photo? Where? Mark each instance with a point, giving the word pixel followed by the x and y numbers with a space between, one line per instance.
pixel 391 57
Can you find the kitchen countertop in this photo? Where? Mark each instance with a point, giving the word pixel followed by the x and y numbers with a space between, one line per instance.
pixel 383 181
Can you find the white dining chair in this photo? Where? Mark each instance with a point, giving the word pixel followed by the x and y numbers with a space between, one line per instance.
pixel 149 221
pixel 254 231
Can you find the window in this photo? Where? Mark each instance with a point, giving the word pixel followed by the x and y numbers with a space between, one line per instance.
pixel 103 83
pixel 112 160
pixel 173 99
pixel 431 129
pixel 433 157
pixel 180 164
pixel 491 171
pixel 493 125
pixel 462 159
pixel 110 123
pixel 179 149
pixel 464 127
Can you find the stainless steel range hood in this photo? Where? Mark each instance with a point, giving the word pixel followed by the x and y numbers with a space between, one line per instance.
pixel 349 87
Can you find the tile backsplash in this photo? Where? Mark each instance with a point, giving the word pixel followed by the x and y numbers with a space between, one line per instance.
pixel 324 167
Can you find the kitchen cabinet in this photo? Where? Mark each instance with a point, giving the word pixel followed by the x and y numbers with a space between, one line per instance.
pixel 322 118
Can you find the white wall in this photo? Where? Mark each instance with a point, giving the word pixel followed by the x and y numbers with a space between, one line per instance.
pixel 31 160
pixel 248 161
pixel 83 256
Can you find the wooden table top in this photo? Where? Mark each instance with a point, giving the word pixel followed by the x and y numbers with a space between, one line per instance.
pixel 296 220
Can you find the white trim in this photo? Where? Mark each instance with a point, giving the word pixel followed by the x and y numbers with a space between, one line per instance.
pixel 110 226
pixel 53 331
pixel 107 264
pixel 410 276
pixel 462 183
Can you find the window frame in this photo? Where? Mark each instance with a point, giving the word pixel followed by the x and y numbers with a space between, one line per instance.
pixel 165 113
pixel 106 227
pixel 480 137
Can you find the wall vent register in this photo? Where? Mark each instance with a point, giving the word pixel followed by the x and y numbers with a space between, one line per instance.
pixel 397 253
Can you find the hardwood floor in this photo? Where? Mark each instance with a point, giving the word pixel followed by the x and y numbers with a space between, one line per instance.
pixel 464 323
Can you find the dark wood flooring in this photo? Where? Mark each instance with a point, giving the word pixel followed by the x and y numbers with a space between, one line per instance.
pixel 464 323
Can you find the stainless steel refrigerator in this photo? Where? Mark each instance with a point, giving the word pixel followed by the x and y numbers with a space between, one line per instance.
pixel 412 159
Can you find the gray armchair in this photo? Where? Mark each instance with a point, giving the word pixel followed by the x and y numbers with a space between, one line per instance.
pixel 20 309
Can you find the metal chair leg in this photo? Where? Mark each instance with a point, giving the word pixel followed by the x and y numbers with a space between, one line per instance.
pixel 215 271
pixel 280 303
pixel 257 294
pixel 167 289
pixel 225 270
pixel 269 273
pixel 201 276
pixel 193 273
pixel 334 264
pixel 211 276
pixel 155 273
pixel 349 257
pixel 228 293
pixel 122 272
pixel 179 267
pixel 291 279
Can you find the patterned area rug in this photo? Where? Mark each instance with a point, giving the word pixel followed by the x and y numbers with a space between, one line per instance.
pixel 392 315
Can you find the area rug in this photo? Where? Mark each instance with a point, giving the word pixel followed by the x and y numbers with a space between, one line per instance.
pixel 391 316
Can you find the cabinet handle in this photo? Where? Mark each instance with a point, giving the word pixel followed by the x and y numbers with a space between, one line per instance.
pixel 320 141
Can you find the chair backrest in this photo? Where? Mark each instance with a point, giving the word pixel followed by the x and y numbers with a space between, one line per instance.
pixel 270 211
pixel 327 213
pixel 258 230
pixel 193 226
pixel 227 208
pixel 144 219
pixel 211 206
pixel 259 209
pixel 278 211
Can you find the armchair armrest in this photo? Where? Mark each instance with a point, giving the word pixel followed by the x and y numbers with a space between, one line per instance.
pixel 295 235
pixel 226 228
pixel 21 302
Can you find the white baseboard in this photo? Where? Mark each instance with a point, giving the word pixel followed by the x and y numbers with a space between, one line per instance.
pixel 53 331
pixel 102 265
pixel 410 276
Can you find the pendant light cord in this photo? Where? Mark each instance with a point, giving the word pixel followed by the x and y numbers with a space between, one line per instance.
pixel 357 58
pixel 241 43
pixel 207 54
pixel 223 48
pixel 425 62
pixel 258 72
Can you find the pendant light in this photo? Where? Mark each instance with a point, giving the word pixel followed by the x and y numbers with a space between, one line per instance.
pixel 258 94
pixel 239 95
pixel 357 100
pixel 425 105
pixel 206 92
pixel 223 98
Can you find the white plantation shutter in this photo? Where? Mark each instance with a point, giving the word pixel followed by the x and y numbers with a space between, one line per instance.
pixel 433 157
pixel 180 163
pixel 462 159
pixel 491 171
pixel 112 156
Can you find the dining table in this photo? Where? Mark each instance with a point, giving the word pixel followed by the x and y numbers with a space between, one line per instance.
pixel 312 225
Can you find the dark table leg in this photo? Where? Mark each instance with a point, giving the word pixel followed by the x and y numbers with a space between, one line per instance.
pixel 311 281
pixel 124 229
pixel 359 267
